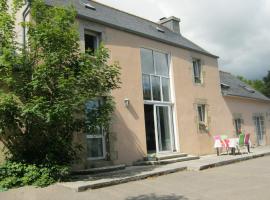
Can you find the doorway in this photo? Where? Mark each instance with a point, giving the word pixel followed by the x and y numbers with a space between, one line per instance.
pixel 159 131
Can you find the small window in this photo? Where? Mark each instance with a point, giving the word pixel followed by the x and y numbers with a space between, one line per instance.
pixel 238 125
pixel 91 41
pixel 201 114
pixel 202 117
pixel 197 71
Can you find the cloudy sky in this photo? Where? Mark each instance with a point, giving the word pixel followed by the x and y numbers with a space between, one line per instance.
pixel 238 31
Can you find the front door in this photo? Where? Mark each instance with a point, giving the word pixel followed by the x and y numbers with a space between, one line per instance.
pixel 159 131
pixel 259 126
pixel 163 128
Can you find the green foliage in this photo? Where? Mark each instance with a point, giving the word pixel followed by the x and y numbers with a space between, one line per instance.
pixel 44 86
pixel 267 85
pixel 256 84
pixel 17 174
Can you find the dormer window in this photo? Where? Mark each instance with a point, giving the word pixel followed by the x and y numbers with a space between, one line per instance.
pixel 89 6
pixel 248 88
pixel 224 86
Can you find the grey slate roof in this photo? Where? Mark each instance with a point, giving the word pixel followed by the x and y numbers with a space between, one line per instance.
pixel 124 21
pixel 234 87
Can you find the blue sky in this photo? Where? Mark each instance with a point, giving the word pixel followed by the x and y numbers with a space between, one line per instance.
pixel 238 31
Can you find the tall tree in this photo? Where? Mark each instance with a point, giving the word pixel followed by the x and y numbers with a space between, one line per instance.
pixel 267 85
pixel 44 87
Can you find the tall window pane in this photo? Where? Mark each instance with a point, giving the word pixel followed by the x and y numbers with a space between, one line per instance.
pixel 161 64
pixel 94 147
pixel 156 88
pixel 147 61
pixel 166 89
pixel 146 87
pixel 197 71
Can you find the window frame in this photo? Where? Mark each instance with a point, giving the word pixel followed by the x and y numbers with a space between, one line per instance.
pixel 151 75
pixel 200 77
pixel 94 34
pixel 204 114
pixel 101 136
pixel 237 122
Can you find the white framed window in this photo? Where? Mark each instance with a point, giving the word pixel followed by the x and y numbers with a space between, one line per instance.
pixel 155 76
pixel 197 71
pixel 91 41
pixel 202 118
pixel 95 139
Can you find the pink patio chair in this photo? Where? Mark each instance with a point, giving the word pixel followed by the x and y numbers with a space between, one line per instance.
pixel 221 141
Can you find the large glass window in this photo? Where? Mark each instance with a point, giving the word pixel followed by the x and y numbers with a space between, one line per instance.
pixel 156 80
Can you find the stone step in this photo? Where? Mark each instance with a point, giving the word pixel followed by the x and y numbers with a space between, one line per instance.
pixel 99 170
pixel 166 161
pixel 165 156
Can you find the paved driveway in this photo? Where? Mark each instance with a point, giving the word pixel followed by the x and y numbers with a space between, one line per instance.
pixel 246 180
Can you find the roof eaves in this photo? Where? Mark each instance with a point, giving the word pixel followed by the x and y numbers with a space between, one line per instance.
pixel 145 35
pixel 245 97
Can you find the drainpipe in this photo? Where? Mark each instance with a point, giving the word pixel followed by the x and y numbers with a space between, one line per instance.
pixel 25 13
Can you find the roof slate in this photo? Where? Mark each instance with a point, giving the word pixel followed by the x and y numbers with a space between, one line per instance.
pixel 127 22
pixel 237 88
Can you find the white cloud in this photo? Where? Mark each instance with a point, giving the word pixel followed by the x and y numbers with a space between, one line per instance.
pixel 236 30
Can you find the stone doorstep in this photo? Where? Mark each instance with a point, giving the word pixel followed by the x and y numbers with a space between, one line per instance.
pixel 82 186
pixel 165 156
pixel 194 165
pixel 167 161
pixel 98 170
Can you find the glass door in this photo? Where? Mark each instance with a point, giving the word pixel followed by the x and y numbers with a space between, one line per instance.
pixel 163 125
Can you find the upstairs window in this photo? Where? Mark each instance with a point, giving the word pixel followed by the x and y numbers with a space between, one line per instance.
pixel 155 76
pixel 91 40
pixel 197 71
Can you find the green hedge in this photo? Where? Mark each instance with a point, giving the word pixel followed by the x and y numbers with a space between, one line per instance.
pixel 17 175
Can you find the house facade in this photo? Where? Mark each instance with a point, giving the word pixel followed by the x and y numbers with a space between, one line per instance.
pixel 173 98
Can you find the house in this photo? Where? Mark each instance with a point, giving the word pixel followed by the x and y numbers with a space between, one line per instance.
pixel 173 98
pixel 249 108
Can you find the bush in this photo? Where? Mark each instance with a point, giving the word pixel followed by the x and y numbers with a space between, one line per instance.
pixel 14 174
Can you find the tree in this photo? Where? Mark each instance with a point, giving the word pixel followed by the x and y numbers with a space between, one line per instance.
pixel 256 84
pixel 267 85
pixel 44 86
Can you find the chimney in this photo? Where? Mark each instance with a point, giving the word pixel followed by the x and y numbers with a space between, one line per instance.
pixel 172 23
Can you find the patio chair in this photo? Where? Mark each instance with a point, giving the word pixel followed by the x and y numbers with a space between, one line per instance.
pixel 221 141
pixel 244 141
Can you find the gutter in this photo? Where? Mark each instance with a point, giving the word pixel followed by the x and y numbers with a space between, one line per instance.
pixel 247 98
pixel 24 15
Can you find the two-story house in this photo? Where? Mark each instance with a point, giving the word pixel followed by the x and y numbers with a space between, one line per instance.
pixel 172 98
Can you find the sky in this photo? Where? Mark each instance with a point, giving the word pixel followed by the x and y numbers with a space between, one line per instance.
pixel 238 31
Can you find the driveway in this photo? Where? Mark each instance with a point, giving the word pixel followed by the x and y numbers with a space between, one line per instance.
pixel 246 180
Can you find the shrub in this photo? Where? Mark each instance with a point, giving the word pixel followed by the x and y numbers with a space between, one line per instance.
pixel 14 174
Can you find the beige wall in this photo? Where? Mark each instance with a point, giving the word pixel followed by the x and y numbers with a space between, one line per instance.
pixel 128 123
pixel 247 109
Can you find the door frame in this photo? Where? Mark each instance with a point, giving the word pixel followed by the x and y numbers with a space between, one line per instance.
pixel 171 125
